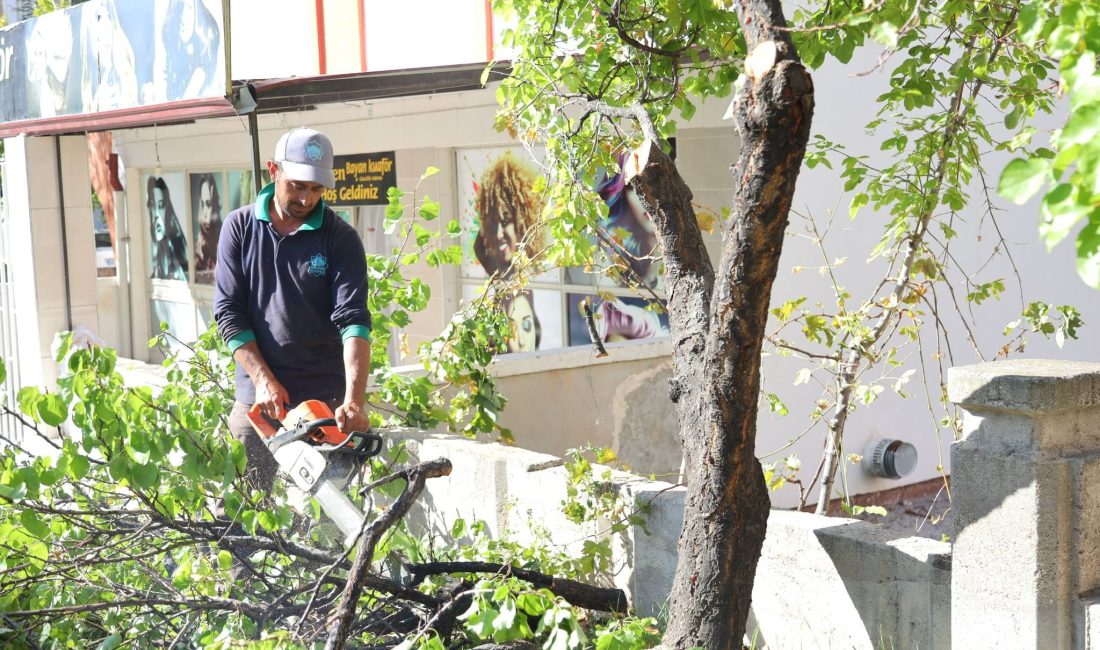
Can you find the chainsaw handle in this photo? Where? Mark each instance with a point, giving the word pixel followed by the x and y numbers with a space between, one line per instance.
pixel 265 426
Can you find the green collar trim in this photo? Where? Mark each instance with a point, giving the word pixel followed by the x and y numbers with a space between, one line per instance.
pixel 264 198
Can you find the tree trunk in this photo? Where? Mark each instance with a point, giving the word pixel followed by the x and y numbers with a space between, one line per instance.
pixel 718 323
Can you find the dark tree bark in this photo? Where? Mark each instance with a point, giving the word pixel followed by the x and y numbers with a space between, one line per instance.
pixel 718 322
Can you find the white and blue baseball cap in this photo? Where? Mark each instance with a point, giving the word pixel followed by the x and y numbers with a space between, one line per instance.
pixel 306 155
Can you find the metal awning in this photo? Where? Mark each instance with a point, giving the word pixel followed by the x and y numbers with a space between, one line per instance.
pixel 269 96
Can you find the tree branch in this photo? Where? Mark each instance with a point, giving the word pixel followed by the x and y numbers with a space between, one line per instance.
pixel 577 593
pixel 415 478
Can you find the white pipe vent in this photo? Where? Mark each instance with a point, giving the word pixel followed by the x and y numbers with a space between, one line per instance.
pixel 887 458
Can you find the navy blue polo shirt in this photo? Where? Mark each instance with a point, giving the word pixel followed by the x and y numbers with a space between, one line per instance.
pixel 298 296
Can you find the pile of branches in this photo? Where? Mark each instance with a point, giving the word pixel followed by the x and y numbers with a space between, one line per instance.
pixel 124 562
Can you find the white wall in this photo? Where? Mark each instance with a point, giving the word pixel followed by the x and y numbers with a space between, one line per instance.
pixel 51 247
pixel 844 104
pixel 257 54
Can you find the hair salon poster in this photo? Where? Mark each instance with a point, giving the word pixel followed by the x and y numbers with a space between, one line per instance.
pixel 105 55
pixel 498 209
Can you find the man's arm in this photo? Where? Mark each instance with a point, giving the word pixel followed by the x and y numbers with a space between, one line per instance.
pixel 353 415
pixel 270 393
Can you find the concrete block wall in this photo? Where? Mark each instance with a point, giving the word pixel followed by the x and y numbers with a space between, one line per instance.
pixel 821 581
pixel 1026 504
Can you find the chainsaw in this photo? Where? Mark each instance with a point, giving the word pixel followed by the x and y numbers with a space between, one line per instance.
pixel 318 457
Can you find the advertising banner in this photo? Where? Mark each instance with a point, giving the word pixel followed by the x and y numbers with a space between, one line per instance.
pixel 106 55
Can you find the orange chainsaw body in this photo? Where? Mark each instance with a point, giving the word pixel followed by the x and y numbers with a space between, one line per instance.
pixel 308 411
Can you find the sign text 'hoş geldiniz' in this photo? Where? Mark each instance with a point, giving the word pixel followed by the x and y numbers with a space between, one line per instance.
pixel 362 179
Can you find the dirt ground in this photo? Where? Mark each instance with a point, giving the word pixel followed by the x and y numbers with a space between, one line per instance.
pixel 923 513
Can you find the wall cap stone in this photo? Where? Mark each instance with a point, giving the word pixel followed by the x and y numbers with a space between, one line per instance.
pixel 1025 385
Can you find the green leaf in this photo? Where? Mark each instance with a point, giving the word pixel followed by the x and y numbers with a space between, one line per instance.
pixel 1082 126
pixel 111 642
pixel 13 493
pixel 858 201
pixel 431 171
pixel 144 474
pixel 27 399
pixel 52 409
pixel 34 525
pixel 225 560
pixel 1022 178
pixel 78 466
pixel 61 345
pixel 1060 212
pixel 429 209
pixel 1031 22
pixel 1088 251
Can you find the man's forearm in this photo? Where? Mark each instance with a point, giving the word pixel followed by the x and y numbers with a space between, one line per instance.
pixel 357 369
pixel 248 356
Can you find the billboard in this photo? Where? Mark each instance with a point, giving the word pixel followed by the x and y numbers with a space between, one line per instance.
pixel 106 55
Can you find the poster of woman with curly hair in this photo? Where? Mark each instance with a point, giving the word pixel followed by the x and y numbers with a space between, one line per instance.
pixel 500 210
pixel 499 216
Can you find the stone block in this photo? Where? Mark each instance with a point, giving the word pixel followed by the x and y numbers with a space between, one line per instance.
pixel 1025 385
pixel 1012 547
pixel 1087 523
pixel 646 555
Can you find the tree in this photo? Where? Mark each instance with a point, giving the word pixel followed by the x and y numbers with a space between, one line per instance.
pixel 589 81
pixel 717 318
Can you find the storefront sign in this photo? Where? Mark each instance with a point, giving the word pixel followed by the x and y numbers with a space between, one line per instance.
pixel 362 179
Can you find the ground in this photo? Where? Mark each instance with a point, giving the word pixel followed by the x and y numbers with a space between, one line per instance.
pixel 921 510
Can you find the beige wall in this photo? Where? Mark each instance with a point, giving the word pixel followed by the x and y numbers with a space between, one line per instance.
pixel 566 399
pixel 52 292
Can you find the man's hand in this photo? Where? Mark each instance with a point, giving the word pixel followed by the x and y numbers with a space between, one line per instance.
pixel 352 417
pixel 272 398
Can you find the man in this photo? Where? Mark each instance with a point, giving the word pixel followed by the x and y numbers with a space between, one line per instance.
pixel 290 299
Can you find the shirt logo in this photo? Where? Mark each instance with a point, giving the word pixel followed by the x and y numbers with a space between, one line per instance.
pixel 318 266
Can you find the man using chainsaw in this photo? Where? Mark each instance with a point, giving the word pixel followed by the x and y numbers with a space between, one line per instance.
pixel 290 299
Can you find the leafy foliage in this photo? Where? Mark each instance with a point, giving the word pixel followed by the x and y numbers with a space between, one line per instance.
pixel 1068 32
pixel 118 536
pixel 459 356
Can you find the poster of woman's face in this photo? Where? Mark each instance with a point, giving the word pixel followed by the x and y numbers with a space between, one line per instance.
pixel 168 259
pixel 207 188
pixel 190 62
pixel 499 210
pixel 534 315
pixel 109 73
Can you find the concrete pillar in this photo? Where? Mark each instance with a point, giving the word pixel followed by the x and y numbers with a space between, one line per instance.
pixel 1026 501
pixel 40 228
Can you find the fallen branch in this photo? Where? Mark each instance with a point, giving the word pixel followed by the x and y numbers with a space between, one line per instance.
pixel 415 477
pixel 576 593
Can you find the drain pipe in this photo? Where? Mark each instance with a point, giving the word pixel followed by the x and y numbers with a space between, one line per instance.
pixel 64 237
